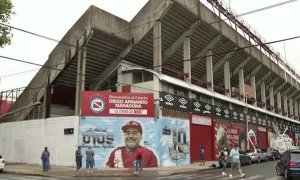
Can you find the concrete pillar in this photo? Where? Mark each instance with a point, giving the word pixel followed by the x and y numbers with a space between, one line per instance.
pixel 120 79
pixel 253 85
pixel 242 84
pixel 263 94
pixel 47 98
pixel 187 58
pixel 271 93
pixel 296 108
pixel 227 79
pixel 157 54
pixel 209 70
pixel 291 105
pixel 285 105
pixel 279 102
pixel 299 110
pixel 157 62
pixel 80 83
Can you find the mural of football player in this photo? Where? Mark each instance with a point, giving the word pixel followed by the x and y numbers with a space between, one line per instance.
pixel 124 156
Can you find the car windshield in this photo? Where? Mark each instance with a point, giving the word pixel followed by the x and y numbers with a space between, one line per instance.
pixel 295 155
pixel 249 151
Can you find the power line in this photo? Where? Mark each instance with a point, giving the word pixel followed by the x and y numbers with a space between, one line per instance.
pixel 254 11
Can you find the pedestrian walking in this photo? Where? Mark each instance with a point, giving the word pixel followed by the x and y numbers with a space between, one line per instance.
pixel 78 156
pixel 138 161
pixel 45 160
pixel 90 163
pixel 223 160
pixel 235 161
pixel 202 153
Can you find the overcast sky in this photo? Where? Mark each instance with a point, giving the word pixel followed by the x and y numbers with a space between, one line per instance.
pixel 53 18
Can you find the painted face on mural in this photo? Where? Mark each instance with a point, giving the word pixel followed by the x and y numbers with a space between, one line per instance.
pixel 132 138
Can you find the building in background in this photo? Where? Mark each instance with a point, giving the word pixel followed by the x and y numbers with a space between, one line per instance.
pixel 203 81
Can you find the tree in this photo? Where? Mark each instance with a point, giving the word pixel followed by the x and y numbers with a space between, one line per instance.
pixel 5 14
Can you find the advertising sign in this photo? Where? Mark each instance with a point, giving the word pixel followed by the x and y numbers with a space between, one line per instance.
pixel 97 103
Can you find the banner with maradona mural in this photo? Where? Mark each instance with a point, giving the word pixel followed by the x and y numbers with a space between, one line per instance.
pixel 115 140
pixel 175 142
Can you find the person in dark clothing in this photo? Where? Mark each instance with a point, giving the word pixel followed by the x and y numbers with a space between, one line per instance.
pixel 138 161
pixel 45 159
pixel 202 156
pixel 78 156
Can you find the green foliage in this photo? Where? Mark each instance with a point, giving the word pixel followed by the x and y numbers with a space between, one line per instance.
pixel 5 14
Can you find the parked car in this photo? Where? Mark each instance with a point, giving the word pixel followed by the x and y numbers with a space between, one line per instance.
pixel 257 155
pixel 289 164
pixel 244 159
pixel 273 154
pixel 2 164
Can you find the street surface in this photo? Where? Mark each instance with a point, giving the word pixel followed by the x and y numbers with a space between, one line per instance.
pixel 261 171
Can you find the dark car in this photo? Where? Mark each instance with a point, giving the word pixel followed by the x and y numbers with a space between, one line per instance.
pixel 273 154
pixel 244 159
pixel 289 164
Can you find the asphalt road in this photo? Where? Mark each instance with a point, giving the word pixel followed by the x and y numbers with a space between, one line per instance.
pixel 261 171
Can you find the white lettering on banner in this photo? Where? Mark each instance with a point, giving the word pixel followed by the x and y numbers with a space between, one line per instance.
pixel 261 129
pixel 201 120
pixel 129 111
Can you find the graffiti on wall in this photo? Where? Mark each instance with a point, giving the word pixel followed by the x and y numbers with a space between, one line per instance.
pixel 115 140
pixel 175 142
pixel 227 135
pixel 164 142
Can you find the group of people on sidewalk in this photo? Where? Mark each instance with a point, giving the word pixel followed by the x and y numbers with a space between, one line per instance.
pixel 234 155
pixel 90 162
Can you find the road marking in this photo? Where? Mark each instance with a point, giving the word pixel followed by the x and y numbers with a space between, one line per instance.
pixel 217 177
pixel 31 177
pixel 275 178
pixel 200 176
pixel 255 177
pixel 168 177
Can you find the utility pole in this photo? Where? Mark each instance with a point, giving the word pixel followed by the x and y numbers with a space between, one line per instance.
pixel 247 127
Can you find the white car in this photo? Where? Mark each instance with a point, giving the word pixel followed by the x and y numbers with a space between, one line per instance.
pixel 257 155
pixel 2 164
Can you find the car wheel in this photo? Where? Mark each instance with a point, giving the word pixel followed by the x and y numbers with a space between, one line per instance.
pixel 1 170
pixel 273 157
pixel 258 160
pixel 278 171
pixel 249 161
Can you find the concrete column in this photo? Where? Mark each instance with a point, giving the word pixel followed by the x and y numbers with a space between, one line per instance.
pixel 279 102
pixel 271 92
pixel 253 85
pixel 242 84
pixel 186 58
pixel 209 70
pixel 263 94
pixel 299 110
pixel 120 79
pixel 80 83
pixel 157 54
pixel 291 105
pixel 285 105
pixel 47 98
pixel 157 62
pixel 296 109
pixel 227 79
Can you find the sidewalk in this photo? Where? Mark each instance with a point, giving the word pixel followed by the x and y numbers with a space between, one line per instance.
pixel 66 171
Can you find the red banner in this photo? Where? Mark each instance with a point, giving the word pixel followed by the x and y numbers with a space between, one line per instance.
pixel 97 103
